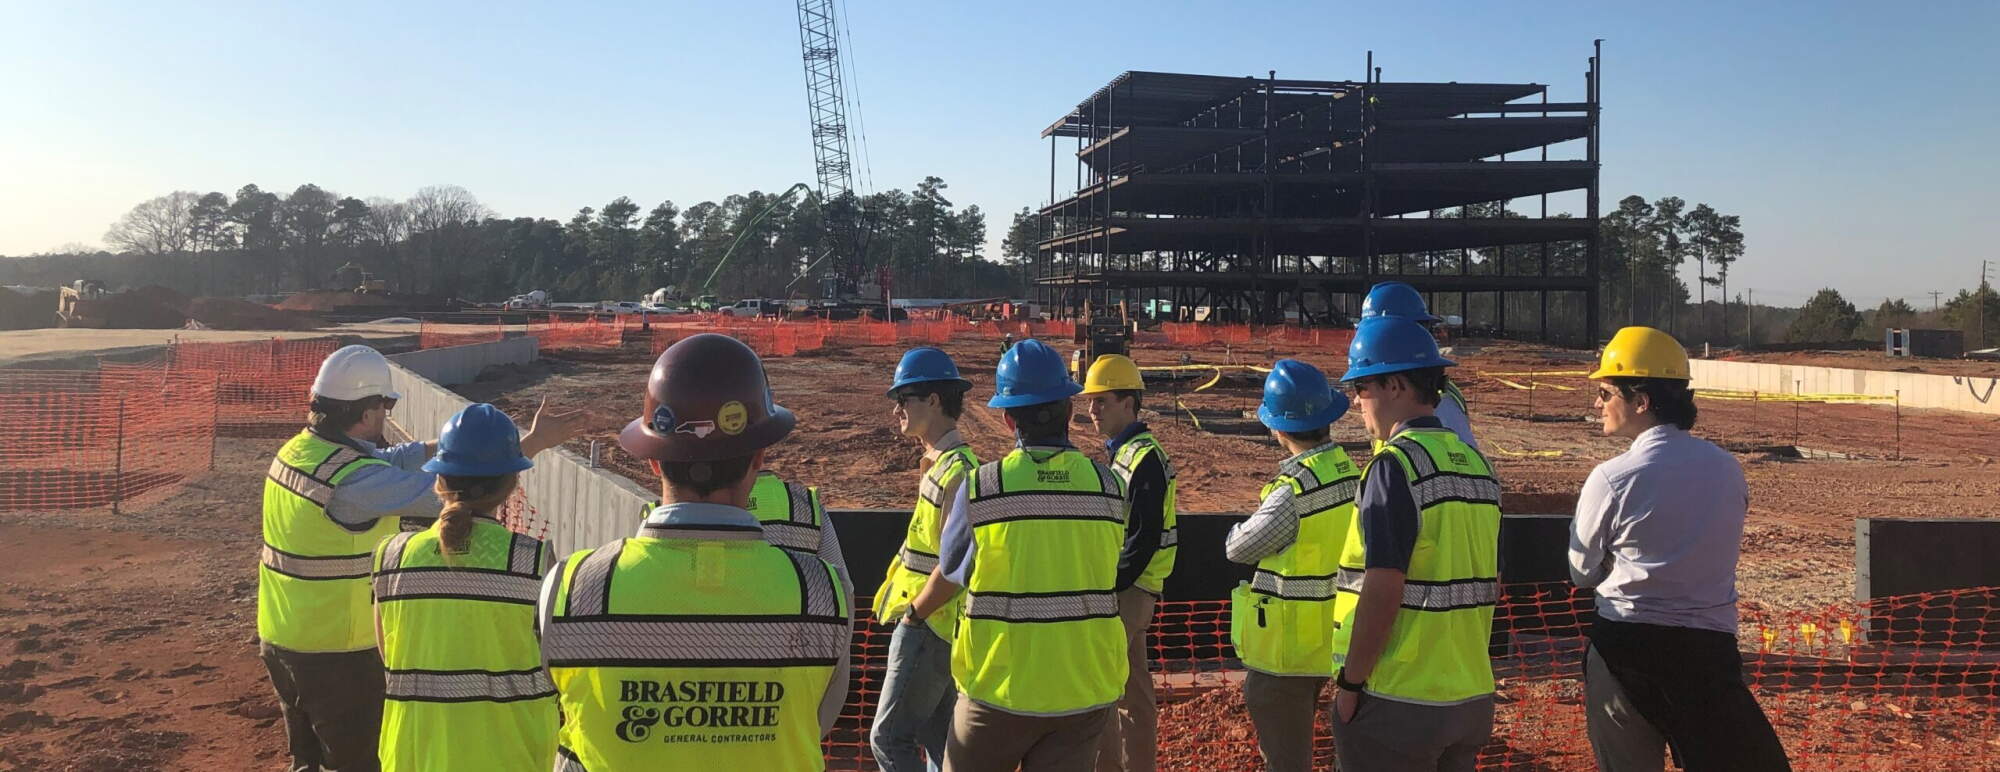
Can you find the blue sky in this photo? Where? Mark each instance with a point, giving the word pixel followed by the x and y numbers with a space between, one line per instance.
pixel 1856 140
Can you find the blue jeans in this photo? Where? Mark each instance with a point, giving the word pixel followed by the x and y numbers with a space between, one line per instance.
pixel 914 714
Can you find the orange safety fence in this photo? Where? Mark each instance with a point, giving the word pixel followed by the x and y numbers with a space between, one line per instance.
pixel 554 332
pixel 861 333
pixel 928 332
pixel 440 335
pixel 1851 686
pixel 84 439
pixel 258 382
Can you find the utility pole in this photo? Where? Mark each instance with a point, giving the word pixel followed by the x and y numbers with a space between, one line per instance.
pixel 1934 300
pixel 1979 305
pixel 1749 329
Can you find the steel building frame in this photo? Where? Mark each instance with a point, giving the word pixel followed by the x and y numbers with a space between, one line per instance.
pixel 1267 198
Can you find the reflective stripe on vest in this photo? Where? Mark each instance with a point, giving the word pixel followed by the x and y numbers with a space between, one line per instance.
pixel 312 583
pixel 1054 607
pixel 1130 455
pixel 459 650
pixel 1437 648
pixel 917 558
pixel 1041 634
pixel 1282 620
pixel 789 512
pixel 694 649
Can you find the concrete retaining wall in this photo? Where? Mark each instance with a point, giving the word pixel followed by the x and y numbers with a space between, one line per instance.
pixel 454 365
pixel 1951 392
pixel 584 507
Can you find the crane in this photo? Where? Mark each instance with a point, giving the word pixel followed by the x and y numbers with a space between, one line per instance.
pixel 826 106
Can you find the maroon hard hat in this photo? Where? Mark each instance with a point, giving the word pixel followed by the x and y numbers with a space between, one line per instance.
pixel 706 400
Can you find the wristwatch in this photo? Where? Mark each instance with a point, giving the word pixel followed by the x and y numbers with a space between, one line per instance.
pixel 1340 680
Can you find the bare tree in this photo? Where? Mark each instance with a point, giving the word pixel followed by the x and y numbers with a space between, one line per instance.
pixel 159 226
pixel 439 205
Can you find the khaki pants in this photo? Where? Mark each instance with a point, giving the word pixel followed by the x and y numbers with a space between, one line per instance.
pixel 988 739
pixel 1391 736
pixel 1282 708
pixel 332 705
pixel 1130 736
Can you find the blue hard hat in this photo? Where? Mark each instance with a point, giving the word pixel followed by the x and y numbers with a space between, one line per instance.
pixel 924 365
pixel 1031 373
pixel 1388 344
pixel 1297 398
pixel 1394 298
pixel 480 441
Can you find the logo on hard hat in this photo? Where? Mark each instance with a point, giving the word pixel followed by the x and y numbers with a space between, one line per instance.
pixel 700 429
pixel 732 418
pixel 663 419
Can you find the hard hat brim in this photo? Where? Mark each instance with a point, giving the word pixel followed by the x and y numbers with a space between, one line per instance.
pixel 440 465
pixel 1058 394
pixel 962 383
pixel 640 441
pixel 1386 368
pixel 1322 419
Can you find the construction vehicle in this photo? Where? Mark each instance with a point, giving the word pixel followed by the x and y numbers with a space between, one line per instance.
pixel 1100 334
pixel 82 304
pixel 355 277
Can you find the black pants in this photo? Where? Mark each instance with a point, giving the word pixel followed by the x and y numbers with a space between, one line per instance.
pixel 332 705
pixel 1688 684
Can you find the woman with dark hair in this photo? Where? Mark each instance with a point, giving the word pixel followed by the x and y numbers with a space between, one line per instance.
pixel 455 617
pixel 1657 534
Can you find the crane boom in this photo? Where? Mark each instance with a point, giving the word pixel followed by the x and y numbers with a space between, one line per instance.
pixel 826 101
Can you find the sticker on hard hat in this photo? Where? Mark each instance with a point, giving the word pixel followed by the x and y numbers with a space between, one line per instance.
pixel 663 419
pixel 731 418
pixel 700 429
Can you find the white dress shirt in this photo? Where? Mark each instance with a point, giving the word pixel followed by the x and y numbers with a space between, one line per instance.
pixel 1658 530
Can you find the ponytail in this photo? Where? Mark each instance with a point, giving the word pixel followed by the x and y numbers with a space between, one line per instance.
pixel 465 498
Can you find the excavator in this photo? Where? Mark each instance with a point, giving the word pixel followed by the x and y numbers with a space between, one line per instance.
pixel 82 304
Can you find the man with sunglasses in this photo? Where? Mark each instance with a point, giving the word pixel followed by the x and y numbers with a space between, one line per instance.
pixel 333 492
pixel 1418 577
pixel 1657 534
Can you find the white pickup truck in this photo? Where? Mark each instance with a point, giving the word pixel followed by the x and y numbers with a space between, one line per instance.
pixel 752 307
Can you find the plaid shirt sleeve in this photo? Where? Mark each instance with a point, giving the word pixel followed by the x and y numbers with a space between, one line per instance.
pixel 1269 531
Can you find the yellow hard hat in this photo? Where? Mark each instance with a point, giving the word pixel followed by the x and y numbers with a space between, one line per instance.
pixel 1113 372
pixel 1643 352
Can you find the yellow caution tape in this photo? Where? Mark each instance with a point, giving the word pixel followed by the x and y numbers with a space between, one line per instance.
pixel 1532 385
pixel 1528 453
pixel 1542 374
pixel 1766 396
pixel 1212 381
pixel 1190 413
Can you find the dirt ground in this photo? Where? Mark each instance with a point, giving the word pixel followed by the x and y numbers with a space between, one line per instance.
pixel 128 641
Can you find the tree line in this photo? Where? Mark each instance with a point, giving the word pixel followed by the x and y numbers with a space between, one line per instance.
pixel 443 242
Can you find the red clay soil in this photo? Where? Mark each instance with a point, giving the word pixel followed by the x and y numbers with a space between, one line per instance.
pixel 129 641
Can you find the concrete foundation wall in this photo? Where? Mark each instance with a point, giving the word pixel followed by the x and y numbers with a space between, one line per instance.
pixel 1950 392
pixel 584 507
pixel 454 365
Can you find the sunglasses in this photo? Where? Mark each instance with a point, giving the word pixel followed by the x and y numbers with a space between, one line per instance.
pixel 1607 394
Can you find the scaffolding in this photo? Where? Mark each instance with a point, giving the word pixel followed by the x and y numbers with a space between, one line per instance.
pixel 1201 197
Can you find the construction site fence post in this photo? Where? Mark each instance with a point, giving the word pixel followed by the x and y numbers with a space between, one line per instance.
pixel 118 461
pixel 215 422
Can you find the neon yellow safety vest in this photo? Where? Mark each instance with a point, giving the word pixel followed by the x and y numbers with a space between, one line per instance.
pixel 1436 652
pixel 466 688
pixel 1135 450
pixel 1041 634
pixel 694 648
pixel 312 578
pixel 912 565
pixel 1281 621
pixel 790 512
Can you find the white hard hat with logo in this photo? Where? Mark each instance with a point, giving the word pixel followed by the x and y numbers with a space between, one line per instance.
pixel 352 373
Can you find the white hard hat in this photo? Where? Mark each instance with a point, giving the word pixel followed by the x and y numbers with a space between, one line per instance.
pixel 354 372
